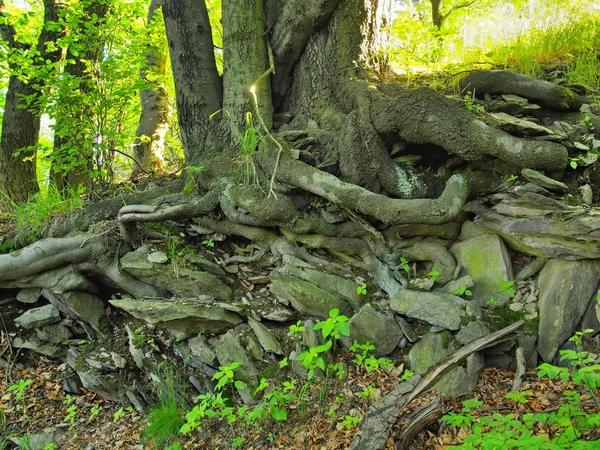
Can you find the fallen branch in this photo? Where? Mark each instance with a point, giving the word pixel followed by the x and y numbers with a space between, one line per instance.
pixel 376 426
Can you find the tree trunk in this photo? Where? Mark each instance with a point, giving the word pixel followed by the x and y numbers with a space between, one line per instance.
pixel 436 14
pixel 156 108
pixel 199 87
pixel 23 108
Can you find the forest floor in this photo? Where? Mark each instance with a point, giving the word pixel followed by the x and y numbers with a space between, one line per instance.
pixel 99 424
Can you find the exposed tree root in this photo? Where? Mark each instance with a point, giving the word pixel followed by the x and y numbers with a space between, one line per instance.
pixel 387 210
pixel 505 82
pixel 424 116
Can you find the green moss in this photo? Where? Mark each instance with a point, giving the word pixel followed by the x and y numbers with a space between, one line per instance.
pixel 502 316
pixel 466 320
pixel 447 339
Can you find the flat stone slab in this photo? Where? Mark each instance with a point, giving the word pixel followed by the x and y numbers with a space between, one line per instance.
pixel 184 318
pixel 305 297
pixel 540 226
pixel 512 124
pixel 181 281
pixel 443 310
pixel 38 317
pixel 542 180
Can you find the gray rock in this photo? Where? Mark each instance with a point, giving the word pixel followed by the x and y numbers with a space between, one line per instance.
pixel 540 226
pixel 29 295
pixel 157 257
pixel 265 337
pixel 184 318
pixel 106 386
pixel 230 347
pixel 531 269
pixel 542 180
pixel 486 259
pixel 311 337
pixel 55 334
pixel 183 282
pixel 38 317
pixel 452 286
pixel 342 288
pixel 431 349
pixel 443 310
pixel 138 403
pixel 566 290
pixel 34 344
pixel 71 383
pixel 118 360
pixel 515 125
pixel 527 343
pixel 305 297
pixel 201 349
pixel 587 195
pixel 432 249
pixel 36 441
pixel 469 230
pixel 378 328
pixel 471 331
pixel 420 284
pixel 85 308
pixel 407 330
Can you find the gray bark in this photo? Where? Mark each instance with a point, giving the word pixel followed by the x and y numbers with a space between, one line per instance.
pixel 197 82
pixel 245 60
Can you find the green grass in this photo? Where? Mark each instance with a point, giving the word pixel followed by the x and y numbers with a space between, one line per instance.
pixel 41 207
pixel 500 35
pixel 168 416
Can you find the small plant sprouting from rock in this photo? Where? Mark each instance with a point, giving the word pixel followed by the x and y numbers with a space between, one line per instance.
pixel 462 291
pixel 363 356
pixel 361 289
pixel 296 328
pixel 208 243
pixel 512 178
pixel 335 325
pixel 404 265
pixel 434 274
pixel 508 286
pixel 273 398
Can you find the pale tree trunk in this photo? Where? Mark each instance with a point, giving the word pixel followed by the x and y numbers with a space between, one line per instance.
pixel 156 108
pixel 21 121
pixel 74 135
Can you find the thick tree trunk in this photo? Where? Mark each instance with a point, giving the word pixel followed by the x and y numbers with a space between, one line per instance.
pixel 245 61
pixel 22 109
pixel 156 108
pixel 197 82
